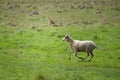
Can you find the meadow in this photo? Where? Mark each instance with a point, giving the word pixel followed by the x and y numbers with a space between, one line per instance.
pixel 32 49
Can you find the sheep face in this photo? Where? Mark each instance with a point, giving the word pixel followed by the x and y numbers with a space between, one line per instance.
pixel 66 38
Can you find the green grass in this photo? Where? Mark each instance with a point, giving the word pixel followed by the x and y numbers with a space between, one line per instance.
pixel 29 54
pixel 30 49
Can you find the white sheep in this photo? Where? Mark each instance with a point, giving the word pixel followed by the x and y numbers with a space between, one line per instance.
pixel 80 46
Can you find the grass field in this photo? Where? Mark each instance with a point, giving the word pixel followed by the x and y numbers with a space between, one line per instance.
pixel 32 49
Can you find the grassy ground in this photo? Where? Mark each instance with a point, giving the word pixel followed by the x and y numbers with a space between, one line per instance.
pixel 31 49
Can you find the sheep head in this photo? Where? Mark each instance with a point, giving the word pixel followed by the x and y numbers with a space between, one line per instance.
pixel 67 38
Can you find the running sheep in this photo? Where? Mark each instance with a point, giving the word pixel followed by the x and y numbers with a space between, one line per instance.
pixel 80 46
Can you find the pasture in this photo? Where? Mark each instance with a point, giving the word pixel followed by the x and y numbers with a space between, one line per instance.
pixel 32 49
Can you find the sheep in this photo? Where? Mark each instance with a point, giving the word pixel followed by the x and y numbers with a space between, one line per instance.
pixel 80 46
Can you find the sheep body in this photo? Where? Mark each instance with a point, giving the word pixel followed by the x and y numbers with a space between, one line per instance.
pixel 83 46
pixel 80 46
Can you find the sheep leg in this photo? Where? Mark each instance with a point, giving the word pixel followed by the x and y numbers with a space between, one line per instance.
pixel 91 56
pixel 70 55
pixel 86 56
pixel 77 56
